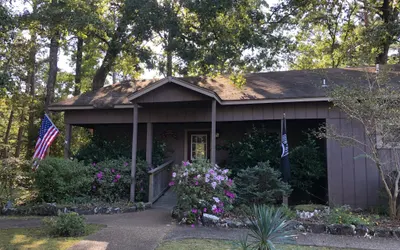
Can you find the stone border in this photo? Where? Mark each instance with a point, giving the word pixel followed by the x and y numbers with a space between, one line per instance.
pixel 51 209
pixel 307 227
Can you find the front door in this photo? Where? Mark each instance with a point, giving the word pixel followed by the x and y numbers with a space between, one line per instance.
pixel 198 145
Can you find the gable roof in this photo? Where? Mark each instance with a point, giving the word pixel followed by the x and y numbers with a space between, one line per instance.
pixel 281 86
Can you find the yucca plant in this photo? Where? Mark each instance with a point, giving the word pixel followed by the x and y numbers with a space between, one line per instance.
pixel 267 225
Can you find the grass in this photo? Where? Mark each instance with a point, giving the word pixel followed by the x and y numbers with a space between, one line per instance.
pixel 203 244
pixel 36 238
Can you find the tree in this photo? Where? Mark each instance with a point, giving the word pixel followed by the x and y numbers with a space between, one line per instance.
pixel 213 37
pixel 335 33
pixel 373 103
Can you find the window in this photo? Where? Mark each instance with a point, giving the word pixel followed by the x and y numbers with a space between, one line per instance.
pixel 198 146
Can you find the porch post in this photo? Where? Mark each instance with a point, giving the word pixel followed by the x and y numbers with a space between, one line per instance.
pixel 149 144
pixel 213 130
pixel 67 145
pixel 134 149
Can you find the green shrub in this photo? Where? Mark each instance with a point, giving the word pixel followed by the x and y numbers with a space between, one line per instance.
pixel 200 188
pixel 260 184
pixel 100 149
pixel 113 180
pixel 15 178
pixel 306 160
pixel 61 180
pixel 65 225
pixel 310 207
pixel 258 145
pixel 345 216
pixel 267 224
pixel 306 164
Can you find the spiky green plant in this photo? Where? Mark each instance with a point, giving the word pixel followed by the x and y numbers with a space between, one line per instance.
pixel 267 225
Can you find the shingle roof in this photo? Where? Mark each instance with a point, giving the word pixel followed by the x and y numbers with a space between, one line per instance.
pixel 259 86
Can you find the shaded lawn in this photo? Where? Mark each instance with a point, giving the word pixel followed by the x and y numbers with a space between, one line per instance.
pixel 203 244
pixel 36 238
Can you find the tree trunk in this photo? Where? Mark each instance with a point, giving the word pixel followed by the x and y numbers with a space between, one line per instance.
pixel 20 133
pixel 31 85
pixel 113 50
pixel 7 134
pixel 382 57
pixel 114 77
pixel 393 208
pixel 51 80
pixel 78 67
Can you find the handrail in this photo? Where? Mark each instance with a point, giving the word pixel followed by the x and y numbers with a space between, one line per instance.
pixel 159 168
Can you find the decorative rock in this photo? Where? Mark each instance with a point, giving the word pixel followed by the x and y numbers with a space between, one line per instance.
pixel 361 230
pixel 315 228
pixel 301 228
pixel 341 229
pixel 209 219
pixel 396 233
pixel 382 232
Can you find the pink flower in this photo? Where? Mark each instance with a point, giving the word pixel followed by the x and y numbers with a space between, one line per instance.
pixel 173 174
pixel 194 210
pixel 99 175
pixel 93 164
pixel 214 184
pixel 192 225
pixel 186 163
pixel 118 176
pixel 197 183
pixel 171 183
pixel 112 170
pixel 216 199
pixel 229 194
pixel 125 164
pixel 205 210
pixel 229 183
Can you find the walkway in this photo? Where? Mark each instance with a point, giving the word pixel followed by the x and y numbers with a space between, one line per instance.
pixel 141 230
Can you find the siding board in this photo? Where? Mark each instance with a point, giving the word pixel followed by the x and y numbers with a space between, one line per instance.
pixel 347 166
pixel 360 176
pixel 334 160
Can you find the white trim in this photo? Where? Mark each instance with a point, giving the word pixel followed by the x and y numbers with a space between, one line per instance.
pixel 62 108
pixel 124 106
pixel 185 140
pixel 266 101
pixel 170 79
pixel 191 144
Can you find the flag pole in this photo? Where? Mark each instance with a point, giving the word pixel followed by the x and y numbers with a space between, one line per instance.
pixel 285 199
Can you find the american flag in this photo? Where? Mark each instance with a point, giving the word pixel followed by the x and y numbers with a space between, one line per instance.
pixel 47 134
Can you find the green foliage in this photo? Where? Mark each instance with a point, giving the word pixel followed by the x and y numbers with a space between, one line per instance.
pixel 201 187
pixel 14 179
pixel 60 180
pixel 260 184
pixel 306 164
pixel 256 146
pixel 345 216
pixel 100 149
pixel 113 180
pixel 267 224
pixel 65 225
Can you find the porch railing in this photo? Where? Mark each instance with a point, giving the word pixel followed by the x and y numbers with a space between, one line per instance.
pixel 159 179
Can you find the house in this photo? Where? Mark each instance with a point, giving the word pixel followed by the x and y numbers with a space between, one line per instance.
pixel 193 115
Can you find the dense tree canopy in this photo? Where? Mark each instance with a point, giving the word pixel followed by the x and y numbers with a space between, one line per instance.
pixel 52 49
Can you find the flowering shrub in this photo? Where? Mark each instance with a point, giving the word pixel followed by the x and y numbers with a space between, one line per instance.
pixel 202 188
pixel 112 180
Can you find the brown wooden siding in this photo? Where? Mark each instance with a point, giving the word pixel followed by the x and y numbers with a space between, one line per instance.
pixel 352 179
pixel 171 92
pixel 164 113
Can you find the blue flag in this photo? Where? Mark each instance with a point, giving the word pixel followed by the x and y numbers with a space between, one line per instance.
pixel 285 165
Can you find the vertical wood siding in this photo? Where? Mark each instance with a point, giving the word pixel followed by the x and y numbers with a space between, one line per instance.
pixel 352 179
